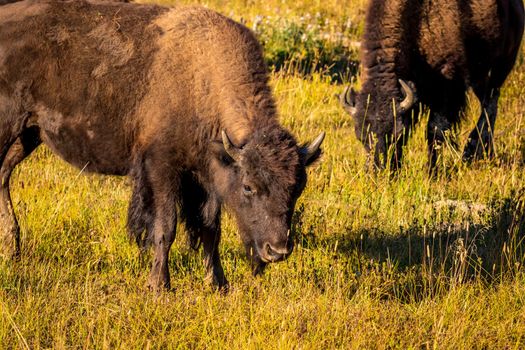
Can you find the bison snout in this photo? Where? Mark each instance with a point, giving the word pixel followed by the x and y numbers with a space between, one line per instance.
pixel 273 253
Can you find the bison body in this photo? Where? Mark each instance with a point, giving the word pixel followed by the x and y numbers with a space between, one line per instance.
pixel 177 99
pixel 427 54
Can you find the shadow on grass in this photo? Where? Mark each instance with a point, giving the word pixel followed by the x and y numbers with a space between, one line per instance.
pixel 422 257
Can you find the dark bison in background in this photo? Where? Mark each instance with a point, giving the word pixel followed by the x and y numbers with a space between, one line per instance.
pixel 177 99
pixel 426 54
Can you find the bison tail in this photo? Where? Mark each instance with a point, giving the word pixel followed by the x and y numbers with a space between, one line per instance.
pixel 5 2
pixel 140 210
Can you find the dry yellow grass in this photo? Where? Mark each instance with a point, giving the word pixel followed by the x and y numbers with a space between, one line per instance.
pixel 380 263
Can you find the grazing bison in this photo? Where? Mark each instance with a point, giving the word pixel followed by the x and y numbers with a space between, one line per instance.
pixel 431 52
pixel 177 99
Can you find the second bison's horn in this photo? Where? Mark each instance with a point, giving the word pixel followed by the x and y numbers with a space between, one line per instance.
pixel 229 147
pixel 312 151
pixel 346 101
pixel 410 96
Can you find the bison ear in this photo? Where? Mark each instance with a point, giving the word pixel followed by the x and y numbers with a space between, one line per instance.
pixel 312 151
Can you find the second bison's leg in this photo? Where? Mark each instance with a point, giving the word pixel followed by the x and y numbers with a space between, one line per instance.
pixel 445 114
pixel 437 127
pixel 487 89
pixel 481 140
pixel 10 231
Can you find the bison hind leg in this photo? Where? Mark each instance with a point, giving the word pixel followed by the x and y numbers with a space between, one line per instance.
pixel 22 147
pixel 480 142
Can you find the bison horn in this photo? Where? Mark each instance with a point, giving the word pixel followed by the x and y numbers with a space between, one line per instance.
pixel 410 96
pixel 229 147
pixel 312 151
pixel 346 100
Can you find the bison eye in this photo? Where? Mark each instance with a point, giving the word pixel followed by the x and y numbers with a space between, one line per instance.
pixel 247 190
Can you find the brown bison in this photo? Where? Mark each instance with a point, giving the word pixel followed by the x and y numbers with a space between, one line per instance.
pixel 432 52
pixel 177 99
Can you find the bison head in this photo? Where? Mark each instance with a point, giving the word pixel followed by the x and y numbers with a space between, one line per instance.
pixel 260 182
pixel 381 115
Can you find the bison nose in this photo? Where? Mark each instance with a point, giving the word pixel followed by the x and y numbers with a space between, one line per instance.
pixel 275 254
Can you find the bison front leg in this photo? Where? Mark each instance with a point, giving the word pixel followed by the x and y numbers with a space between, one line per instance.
pixel 480 142
pixel 212 261
pixel 437 127
pixel 201 213
pixel 163 236
pixel 163 230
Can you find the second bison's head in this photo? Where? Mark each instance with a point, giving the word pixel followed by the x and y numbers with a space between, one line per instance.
pixel 260 182
pixel 381 115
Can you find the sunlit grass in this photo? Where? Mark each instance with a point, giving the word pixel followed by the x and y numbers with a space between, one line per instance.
pixel 380 262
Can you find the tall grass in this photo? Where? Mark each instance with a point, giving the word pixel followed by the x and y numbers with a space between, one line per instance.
pixel 380 262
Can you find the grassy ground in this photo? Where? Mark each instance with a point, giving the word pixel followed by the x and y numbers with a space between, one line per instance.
pixel 403 263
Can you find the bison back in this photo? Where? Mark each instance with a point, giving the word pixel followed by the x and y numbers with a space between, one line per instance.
pixel 82 67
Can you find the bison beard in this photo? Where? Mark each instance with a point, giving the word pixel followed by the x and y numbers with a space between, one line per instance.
pixel 177 99
pixel 424 55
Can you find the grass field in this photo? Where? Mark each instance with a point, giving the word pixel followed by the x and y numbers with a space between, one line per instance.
pixel 388 263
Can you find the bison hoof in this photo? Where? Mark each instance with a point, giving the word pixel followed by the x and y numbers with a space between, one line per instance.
pixel 157 285
pixel 258 268
pixel 218 282
pixel 477 150
pixel 223 287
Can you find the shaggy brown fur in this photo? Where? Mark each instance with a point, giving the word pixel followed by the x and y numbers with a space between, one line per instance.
pixel 146 91
pixel 441 48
